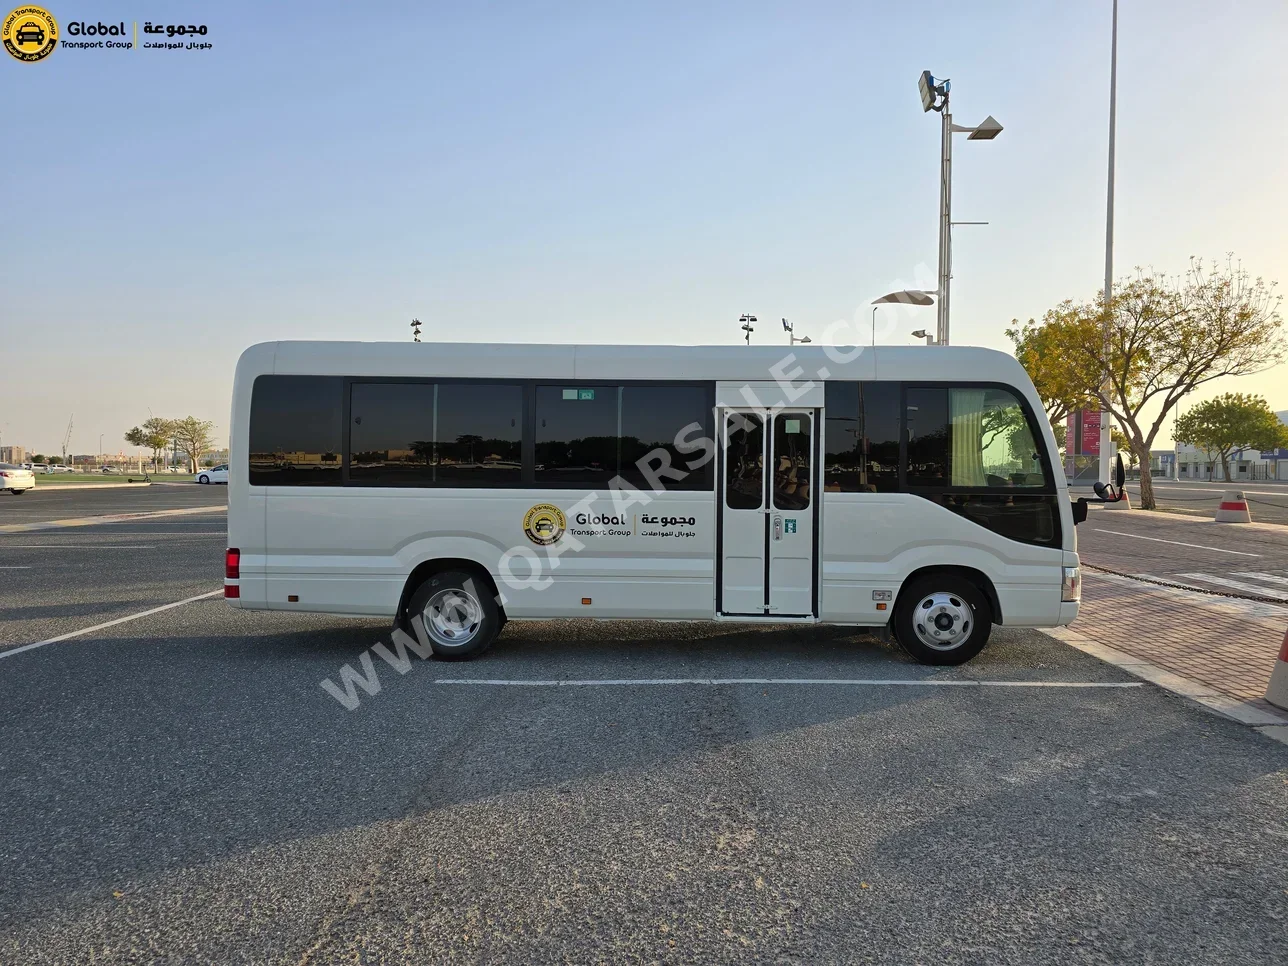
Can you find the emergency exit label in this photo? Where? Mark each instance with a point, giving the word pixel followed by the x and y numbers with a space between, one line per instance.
pixel 789 525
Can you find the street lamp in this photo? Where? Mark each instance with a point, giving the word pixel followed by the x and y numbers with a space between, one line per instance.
pixel 907 296
pixel 747 326
pixel 790 329
pixel 934 97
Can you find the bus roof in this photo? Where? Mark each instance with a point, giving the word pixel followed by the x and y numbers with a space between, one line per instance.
pixel 655 362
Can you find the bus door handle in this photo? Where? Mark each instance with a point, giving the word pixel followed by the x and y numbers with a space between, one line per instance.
pixel 778 526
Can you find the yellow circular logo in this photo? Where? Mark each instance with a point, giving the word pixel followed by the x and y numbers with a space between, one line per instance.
pixel 29 33
pixel 544 524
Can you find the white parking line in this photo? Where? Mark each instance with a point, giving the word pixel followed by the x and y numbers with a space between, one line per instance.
pixel 1239 585
pixel 98 627
pixel 76 546
pixel 15 568
pixel 1197 546
pixel 849 682
pixel 1270 578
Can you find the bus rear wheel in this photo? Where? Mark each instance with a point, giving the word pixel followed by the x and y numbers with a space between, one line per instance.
pixel 456 613
pixel 942 619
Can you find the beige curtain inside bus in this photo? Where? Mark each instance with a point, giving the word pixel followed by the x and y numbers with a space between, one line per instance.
pixel 966 414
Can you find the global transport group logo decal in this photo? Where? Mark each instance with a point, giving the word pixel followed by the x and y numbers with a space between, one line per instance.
pixel 29 33
pixel 544 524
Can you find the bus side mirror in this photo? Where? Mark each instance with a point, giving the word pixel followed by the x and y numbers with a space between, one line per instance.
pixel 1079 511
pixel 1104 492
pixel 1120 474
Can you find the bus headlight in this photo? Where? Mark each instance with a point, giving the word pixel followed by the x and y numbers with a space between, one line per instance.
pixel 1071 585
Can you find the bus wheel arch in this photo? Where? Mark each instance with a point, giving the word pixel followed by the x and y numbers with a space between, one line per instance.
pixel 420 589
pixel 964 602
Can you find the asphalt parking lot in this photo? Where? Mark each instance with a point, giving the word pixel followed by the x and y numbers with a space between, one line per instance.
pixel 181 788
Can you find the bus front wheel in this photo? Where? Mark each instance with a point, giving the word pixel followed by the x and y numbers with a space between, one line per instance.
pixel 457 613
pixel 942 619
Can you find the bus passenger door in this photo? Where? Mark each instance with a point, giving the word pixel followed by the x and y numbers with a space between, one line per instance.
pixel 768 513
pixel 744 534
pixel 793 515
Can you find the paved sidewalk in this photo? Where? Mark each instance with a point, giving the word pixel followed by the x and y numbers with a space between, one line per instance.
pixel 1227 644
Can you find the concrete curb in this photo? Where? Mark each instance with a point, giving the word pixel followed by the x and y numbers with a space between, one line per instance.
pixel 1271 725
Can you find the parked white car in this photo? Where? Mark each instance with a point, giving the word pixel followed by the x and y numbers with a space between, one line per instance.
pixel 16 479
pixel 216 474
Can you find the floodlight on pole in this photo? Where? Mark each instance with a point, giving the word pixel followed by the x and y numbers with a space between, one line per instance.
pixel 934 97
pixel 790 329
pixel 923 334
pixel 415 330
pixel 747 321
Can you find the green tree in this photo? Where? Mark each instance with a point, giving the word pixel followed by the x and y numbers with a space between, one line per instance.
pixel 56 461
pixel 195 437
pixel 1165 338
pixel 1064 382
pixel 38 458
pixel 155 434
pixel 1231 422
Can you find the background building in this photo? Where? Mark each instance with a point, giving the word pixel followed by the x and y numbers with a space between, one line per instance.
pixel 1245 465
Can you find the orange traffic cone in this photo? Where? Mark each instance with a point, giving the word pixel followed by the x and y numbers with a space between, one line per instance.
pixel 1121 504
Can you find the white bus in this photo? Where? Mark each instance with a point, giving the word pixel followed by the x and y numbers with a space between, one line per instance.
pixel 452 487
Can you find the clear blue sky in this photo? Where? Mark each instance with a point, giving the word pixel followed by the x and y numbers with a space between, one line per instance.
pixel 597 172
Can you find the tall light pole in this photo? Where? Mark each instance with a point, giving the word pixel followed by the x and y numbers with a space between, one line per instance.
pixel 1105 428
pixel 747 327
pixel 934 97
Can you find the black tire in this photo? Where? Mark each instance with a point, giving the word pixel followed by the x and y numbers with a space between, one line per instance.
pixel 473 610
pixel 956 593
pixel 18 492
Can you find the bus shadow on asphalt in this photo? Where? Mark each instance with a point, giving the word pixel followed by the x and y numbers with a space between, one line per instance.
pixel 650 649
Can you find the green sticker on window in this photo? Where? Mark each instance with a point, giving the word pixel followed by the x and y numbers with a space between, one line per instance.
pixel 792 425
pixel 585 394
pixel 570 394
